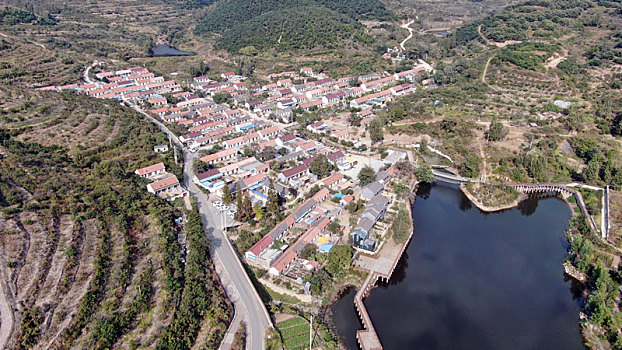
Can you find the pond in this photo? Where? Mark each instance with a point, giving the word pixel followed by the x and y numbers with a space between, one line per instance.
pixel 471 280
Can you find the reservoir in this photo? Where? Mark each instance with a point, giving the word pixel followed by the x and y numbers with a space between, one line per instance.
pixel 471 280
pixel 166 50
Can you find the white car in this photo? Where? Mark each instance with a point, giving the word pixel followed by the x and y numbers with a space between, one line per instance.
pixel 217 202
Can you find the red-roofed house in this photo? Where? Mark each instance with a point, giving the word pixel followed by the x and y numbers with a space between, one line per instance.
pixel 290 176
pixel 151 170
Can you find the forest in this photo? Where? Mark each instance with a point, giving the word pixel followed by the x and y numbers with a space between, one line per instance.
pixel 290 24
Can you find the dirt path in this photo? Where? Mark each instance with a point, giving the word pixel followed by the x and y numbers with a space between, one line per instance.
pixel 483 155
pixel 556 59
pixel 486 69
pixel 410 33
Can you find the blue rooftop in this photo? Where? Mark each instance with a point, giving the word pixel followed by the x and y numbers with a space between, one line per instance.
pixel 260 194
pixel 326 247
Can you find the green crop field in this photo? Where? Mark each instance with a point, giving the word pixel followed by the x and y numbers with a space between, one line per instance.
pixel 295 332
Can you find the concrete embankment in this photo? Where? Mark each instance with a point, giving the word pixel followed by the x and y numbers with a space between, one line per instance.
pixel 378 267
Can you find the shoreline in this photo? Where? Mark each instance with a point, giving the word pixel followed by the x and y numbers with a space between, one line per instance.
pixel 491 209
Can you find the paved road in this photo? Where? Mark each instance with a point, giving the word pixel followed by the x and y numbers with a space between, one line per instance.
pixel 246 301
pixel 6 315
pixel 249 303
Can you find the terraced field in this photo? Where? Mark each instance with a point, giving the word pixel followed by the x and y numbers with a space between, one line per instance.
pixel 295 333
pixel 89 258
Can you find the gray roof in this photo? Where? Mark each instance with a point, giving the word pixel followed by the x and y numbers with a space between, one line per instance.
pixel 382 175
pixel 365 225
pixel 278 231
pixel 394 157
pixel 291 156
pixel 373 188
pixel 379 201
pixel 305 208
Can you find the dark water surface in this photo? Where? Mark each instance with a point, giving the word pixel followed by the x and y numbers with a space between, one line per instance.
pixel 471 280
pixel 166 50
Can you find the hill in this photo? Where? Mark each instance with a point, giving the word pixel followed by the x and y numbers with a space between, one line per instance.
pixel 88 257
pixel 290 24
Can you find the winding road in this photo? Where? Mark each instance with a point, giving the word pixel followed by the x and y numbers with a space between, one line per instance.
pixel 248 305
pixel 410 33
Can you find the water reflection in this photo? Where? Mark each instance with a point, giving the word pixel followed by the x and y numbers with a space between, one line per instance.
pixel 477 281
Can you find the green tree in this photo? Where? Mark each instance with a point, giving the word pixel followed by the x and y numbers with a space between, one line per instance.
pixel 496 130
pixel 273 200
pixel 592 171
pixel 240 215
pixel 376 132
pixel 339 259
pixel 424 174
pixel 258 211
pixel 321 167
pixel 367 175
pixel 249 51
pixel 470 166
pixel 226 195
pixel 308 252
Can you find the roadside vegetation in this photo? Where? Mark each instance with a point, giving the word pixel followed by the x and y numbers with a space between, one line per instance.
pixel 89 248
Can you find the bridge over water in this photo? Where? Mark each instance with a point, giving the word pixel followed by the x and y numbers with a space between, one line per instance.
pixel 565 190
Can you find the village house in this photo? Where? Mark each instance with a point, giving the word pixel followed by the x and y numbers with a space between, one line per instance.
pixel 341 134
pixel 160 148
pixel 371 190
pixel 151 170
pixel 166 188
pixel 334 180
pixel 290 176
pixel 374 210
pixel 220 157
pixel 242 140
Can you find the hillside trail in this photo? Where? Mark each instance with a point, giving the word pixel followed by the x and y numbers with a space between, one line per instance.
pixel 410 33
pixel 486 68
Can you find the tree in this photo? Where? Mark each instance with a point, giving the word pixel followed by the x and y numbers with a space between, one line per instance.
pixel 258 211
pixel 339 259
pixel 308 252
pixel 221 97
pixel 376 133
pixel 592 171
pixel 334 226
pixel 424 174
pixel 239 216
pixel 470 167
pixel 367 175
pixel 226 195
pixel 321 167
pixel 273 200
pixel 249 51
pixel 496 130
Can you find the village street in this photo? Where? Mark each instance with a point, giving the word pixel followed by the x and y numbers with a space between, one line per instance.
pixel 248 304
